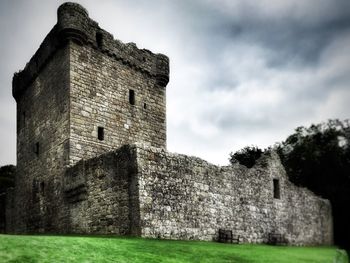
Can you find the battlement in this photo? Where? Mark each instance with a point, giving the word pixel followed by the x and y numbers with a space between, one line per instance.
pixel 74 24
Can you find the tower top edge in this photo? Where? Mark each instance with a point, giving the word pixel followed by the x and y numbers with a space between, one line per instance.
pixel 74 24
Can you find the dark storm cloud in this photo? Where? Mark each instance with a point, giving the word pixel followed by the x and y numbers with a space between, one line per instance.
pixel 286 39
pixel 292 41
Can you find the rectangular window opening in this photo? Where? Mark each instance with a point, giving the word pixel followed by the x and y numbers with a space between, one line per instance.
pixel 37 148
pixel 276 189
pixel 99 39
pixel 100 133
pixel 42 187
pixel 132 97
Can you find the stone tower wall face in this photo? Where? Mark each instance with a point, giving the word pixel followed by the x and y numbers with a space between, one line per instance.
pixel 42 146
pixel 100 90
pixel 184 197
pixel 78 81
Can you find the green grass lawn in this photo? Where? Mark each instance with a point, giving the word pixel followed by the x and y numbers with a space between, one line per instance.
pixel 15 248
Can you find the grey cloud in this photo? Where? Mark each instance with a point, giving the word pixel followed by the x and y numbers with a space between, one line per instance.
pixel 241 50
pixel 286 39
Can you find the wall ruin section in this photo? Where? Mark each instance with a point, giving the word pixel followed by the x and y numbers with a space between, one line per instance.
pixel 102 194
pixel 176 196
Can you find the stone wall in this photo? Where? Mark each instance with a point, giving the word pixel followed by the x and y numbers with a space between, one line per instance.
pixel 102 194
pixel 103 74
pixel 78 80
pixel 100 87
pixel 42 147
pixel 149 192
pixel 184 197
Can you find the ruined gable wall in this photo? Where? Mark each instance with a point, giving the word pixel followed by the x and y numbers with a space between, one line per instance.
pixel 184 197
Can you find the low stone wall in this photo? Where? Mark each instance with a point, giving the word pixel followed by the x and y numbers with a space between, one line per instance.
pixel 183 197
pixel 101 195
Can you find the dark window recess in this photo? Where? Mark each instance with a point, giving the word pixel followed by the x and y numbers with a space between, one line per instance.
pixel 145 106
pixel 276 189
pixel 100 133
pixel 99 39
pixel 132 97
pixel 37 148
pixel 42 187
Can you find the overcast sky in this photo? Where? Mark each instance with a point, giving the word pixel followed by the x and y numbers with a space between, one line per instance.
pixel 242 72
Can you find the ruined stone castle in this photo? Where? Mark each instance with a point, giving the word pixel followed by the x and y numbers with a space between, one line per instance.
pixel 92 159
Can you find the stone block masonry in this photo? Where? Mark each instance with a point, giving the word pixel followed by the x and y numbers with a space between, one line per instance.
pixel 92 159
pixel 184 197
pixel 127 104
pixel 102 196
pixel 146 191
pixel 82 94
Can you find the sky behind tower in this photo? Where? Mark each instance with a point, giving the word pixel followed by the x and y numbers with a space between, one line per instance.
pixel 241 72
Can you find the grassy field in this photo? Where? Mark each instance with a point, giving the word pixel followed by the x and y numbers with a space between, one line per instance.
pixel 30 249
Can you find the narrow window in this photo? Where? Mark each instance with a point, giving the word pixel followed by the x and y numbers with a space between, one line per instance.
pixel 276 189
pixel 132 97
pixel 99 38
pixel 145 106
pixel 37 148
pixel 42 187
pixel 100 133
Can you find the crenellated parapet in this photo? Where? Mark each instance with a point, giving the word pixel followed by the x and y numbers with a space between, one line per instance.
pixel 74 24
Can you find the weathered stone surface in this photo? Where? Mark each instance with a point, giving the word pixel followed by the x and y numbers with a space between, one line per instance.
pixel 91 158
pixel 78 80
pixel 99 97
pixel 147 191
pixel 110 205
pixel 43 147
pixel 184 197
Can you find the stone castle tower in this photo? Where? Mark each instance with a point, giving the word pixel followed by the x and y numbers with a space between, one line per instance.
pixel 81 95
pixel 92 159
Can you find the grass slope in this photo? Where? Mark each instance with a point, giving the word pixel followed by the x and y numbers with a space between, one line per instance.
pixel 30 249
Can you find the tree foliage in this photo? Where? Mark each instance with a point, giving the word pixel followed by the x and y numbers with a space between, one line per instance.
pixel 318 158
pixel 246 156
pixel 7 176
